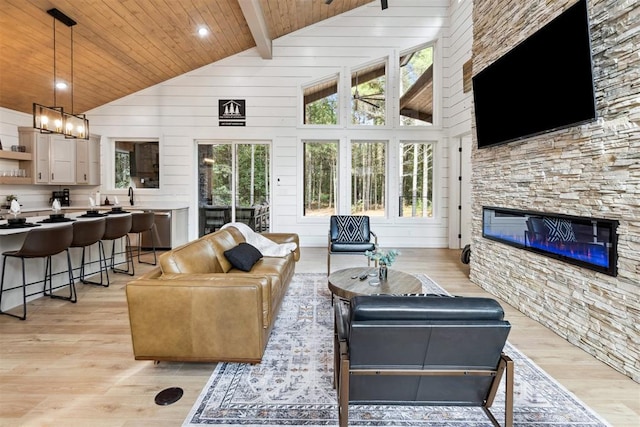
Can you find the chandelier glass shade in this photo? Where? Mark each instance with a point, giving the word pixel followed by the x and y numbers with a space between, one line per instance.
pixel 55 119
pixel 75 126
pixel 48 119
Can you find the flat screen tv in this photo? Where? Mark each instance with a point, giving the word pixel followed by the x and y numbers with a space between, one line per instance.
pixel 543 84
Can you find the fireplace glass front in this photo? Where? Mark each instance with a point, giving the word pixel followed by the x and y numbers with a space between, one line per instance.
pixel 584 241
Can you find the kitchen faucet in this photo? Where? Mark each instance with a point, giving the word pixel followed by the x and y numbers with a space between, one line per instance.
pixel 131 195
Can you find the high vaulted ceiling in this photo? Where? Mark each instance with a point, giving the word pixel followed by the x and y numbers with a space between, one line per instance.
pixel 123 46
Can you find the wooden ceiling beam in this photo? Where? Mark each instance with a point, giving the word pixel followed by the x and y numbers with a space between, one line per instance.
pixel 258 27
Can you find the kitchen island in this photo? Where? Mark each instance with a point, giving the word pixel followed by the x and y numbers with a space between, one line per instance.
pixel 11 238
pixel 172 218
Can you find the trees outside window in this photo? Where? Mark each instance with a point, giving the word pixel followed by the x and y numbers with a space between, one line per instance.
pixel 221 172
pixel 416 87
pixel 320 102
pixel 123 169
pixel 368 178
pixel 214 174
pixel 320 178
pixel 411 94
pixel 416 179
pixel 253 174
pixel 368 95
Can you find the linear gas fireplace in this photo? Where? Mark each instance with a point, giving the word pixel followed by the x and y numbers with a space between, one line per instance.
pixel 583 241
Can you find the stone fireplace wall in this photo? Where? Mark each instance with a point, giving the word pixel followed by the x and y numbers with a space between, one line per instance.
pixel 591 170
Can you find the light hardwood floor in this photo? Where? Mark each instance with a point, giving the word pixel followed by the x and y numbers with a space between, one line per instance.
pixel 72 364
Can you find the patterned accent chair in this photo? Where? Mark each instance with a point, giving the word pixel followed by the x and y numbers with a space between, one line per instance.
pixel 350 235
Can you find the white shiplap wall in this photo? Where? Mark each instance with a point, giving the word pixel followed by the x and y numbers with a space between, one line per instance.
pixel 457 118
pixel 182 111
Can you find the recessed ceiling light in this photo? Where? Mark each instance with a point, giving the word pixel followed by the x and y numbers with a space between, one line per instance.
pixel 203 31
pixel 61 85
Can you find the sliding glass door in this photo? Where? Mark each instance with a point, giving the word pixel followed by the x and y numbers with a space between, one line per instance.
pixel 234 180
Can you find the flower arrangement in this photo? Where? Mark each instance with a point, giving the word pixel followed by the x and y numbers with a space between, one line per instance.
pixel 383 257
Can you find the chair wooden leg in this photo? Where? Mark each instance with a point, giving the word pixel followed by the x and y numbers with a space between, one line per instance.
pixel 508 390
pixel 505 368
pixel 328 263
pixel 343 394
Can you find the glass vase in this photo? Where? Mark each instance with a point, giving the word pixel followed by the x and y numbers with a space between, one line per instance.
pixel 382 272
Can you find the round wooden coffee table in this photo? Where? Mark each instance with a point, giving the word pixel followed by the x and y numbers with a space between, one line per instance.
pixel 346 283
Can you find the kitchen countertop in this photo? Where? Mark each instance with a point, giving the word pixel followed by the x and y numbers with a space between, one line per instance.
pixel 154 206
pixel 37 220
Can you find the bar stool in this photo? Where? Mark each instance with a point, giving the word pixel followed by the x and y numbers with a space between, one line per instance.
pixel 41 243
pixel 85 234
pixel 117 227
pixel 141 222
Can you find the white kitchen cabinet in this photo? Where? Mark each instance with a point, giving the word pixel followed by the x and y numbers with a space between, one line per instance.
pixel 88 161
pixel 58 160
pixel 94 160
pixel 43 168
pixel 82 161
pixel 62 153
pixel 37 144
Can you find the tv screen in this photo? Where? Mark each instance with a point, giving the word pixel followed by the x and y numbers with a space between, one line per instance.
pixel 543 84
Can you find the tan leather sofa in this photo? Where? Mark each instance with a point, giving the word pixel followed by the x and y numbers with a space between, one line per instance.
pixel 196 307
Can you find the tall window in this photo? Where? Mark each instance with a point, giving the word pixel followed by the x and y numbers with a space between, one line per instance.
pixel 234 185
pixel 368 95
pixel 228 167
pixel 253 174
pixel 320 178
pixel 416 87
pixel 368 178
pixel 416 179
pixel 320 102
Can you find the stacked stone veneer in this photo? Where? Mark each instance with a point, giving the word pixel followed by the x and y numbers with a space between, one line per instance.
pixel 591 170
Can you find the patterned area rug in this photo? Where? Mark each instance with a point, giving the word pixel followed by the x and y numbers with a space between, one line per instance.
pixel 293 384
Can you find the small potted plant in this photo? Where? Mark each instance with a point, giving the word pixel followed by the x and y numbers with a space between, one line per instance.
pixel 384 259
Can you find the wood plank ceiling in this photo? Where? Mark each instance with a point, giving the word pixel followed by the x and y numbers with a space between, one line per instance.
pixel 123 46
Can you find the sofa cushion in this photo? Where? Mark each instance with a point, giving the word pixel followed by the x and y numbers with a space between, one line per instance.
pixel 243 256
pixel 223 240
pixel 194 257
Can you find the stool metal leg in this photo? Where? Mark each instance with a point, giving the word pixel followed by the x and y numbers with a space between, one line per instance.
pixel 73 297
pixel 153 231
pixel 102 263
pixel 128 255
pixel 72 285
pixel 24 291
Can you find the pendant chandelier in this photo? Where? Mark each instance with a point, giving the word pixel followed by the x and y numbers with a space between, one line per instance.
pixel 55 119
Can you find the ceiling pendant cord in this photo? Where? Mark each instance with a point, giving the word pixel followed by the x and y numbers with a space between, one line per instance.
pixel 55 78
pixel 73 111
